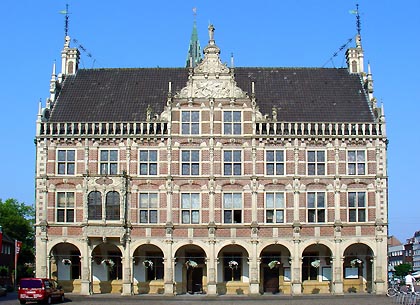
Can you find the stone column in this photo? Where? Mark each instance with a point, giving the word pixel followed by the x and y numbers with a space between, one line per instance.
pixel 212 263
pixel 86 262
pixel 254 264
pixel 338 260
pixel 127 265
pixel 296 263
pixel 169 265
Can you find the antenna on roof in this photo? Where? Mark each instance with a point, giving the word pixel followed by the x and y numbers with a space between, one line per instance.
pixel 81 47
pixel 66 20
pixel 338 51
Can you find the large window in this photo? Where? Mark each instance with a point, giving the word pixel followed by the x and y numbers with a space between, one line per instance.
pixel 155 272
pixel 190 162
pixel 316 206
pixel 232 208
pixel 274 162
pixel 95 206
pixel 356 162
pixel 109 162
pixel 190 122
pixel 232 163
pixel 148 162
pixel 232 122
pixel 65 207
pixel 66 162
pixel 190 207
pixel 274 207
pixel 316 163
pixel 112 206
pixel 357 206
pixel 148 207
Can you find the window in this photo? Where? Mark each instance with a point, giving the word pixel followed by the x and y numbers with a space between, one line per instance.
pixel 232 163
pixel 231 122
pixel 65 207
pixel 148 207
pixel 316 206
pixel 232 208
pixel 190 122
pixel 148 162
pixel 356 162
pixel 66 162
pixel 309 272
pixel 316 163
pixel 190 208
pixel 274 207
pixel 95 206
pixel 232 271
pixel 274 162
pixel 357 206
pixel 157 271
pixel 109 162
pixel 190 162
pixel 112 206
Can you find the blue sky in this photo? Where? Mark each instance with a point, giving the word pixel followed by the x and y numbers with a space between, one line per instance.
pixel 283 33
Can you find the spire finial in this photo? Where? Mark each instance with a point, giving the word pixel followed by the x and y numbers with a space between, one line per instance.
pixel 66 20
pixel 211 33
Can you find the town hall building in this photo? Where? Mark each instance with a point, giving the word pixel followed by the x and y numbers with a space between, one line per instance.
pixel 212 179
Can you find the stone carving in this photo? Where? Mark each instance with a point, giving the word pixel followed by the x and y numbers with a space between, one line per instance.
pixel 212 89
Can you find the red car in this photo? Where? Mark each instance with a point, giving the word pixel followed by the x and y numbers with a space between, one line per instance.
pixel 39 290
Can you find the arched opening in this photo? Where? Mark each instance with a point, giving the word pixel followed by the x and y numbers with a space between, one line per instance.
pixel 65 266
pixel 190 270
pixel 106 269
pixel 316 269
pixel 358 268
pixel 148 270
pixel 275 273
pixel 233 270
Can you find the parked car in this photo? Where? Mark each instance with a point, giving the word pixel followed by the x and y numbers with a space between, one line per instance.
pixel 39 290
pixel 3 291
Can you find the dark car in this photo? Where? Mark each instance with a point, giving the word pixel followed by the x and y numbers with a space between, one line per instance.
pixel 39 290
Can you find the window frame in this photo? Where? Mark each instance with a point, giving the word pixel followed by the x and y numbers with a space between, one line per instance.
pixel 151 165
pixel 316 209
pixel 190 126
pixel 111 166
pixel 66 209
pixel 66 162
pixel 275 209
pixel 356 162
pixel 275 163
pixel 193 165
pixel 150 209
pixel 112 206
pixel 95 210
pixel 357 209
pixel 232 126
pixel 191 210
pixel 235 212
pixel 234 164
pixel 317 165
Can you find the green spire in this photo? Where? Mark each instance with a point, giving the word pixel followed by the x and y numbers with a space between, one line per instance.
pixel 194 50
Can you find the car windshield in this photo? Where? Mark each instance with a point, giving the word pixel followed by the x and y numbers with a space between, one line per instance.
pixel 30 284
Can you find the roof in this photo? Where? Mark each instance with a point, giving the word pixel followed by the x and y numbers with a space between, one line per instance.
pixel 299 94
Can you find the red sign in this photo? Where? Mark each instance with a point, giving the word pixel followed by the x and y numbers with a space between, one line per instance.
pixel 18 245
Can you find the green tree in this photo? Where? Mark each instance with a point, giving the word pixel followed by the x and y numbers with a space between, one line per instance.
pixel 17 221
pixel 403 269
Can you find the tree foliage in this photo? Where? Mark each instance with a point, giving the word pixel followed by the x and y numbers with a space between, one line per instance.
pixel 17 221
pixel 402 269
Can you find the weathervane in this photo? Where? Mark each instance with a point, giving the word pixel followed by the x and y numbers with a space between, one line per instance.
pixel 66 19
pixel 358 23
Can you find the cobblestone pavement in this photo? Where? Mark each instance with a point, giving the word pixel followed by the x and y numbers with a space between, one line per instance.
pixel 110 299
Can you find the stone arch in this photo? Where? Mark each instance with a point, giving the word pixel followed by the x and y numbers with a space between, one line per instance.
pixel 190 268
pixel 233 269
pixel 316 268
pixel 275 269
pixel 65 265
pixel 106 268
pixel 148 269
pixel 358 271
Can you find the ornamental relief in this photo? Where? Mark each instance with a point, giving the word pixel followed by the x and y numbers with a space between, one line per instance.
pixel 212 89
